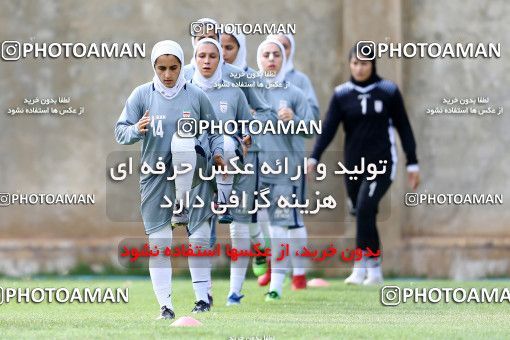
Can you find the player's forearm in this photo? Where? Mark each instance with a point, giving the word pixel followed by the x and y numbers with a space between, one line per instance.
pixel 407 138
pixel 265 115
pixel 216 144
pixel 127 134
pixel 255 99
pixel 330 127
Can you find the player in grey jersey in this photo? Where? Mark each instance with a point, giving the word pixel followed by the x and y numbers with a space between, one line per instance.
pixel 151 115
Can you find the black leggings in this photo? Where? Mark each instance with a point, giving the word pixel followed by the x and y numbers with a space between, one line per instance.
pixel 365 196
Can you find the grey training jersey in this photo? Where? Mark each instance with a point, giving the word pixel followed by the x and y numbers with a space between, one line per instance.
pixel 302 81
pixel 253 96
pixel 278 146
pixel 191 102
pixel 229 103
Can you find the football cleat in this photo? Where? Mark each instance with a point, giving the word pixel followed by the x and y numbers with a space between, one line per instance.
pixel 226 218
pixel 265 278
pixel 234 299
pixel 374 277
pixel 201 307
pixel 259 265
pixel 166 314
pixel 272 296
pixel 298 282
pixel 357 277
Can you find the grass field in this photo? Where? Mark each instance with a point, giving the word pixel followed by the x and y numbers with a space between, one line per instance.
pixel 334 312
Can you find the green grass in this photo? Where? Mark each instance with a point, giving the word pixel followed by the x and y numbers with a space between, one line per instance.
pixel 335 312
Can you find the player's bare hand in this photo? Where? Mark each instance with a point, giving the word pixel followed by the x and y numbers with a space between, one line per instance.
pixel 246 144
pixel 143 122
pixel 285 114
pixel 414 179
pixel 311 168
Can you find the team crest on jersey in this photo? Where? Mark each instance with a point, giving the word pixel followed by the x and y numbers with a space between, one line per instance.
pixel 223 106
pixel 186 114
pixel 281 213
pixel 378 106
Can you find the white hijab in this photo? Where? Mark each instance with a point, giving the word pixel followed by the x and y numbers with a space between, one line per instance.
pixel 203 20
pixel 173 48
pixel 198 79
pixel 240 60
pixel 290 61
pixel 280 76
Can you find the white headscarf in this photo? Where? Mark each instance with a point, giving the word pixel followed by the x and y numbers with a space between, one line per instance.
pixel 198 79
pixel 162 48
pixel 280 76
pixel 240 60
pixel 290 61
pixel 203 20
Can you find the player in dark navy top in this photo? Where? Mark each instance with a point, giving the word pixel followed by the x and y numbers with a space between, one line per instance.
pixel 369 108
